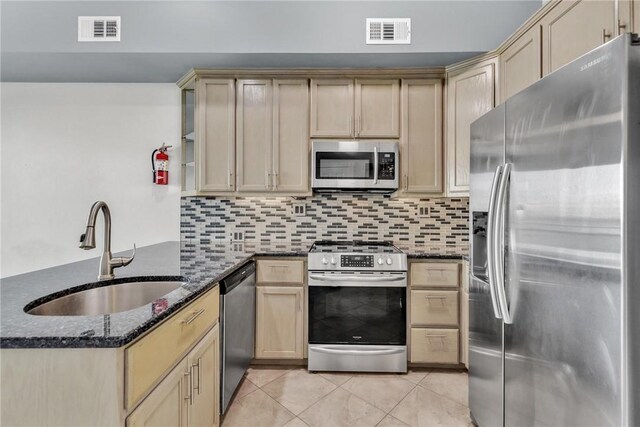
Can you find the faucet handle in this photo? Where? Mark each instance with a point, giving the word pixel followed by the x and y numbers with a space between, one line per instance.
pixel 123 261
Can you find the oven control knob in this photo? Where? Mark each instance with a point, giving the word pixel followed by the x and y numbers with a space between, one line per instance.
pixel 380 261
pixel 333 260
pixel 389 261
pixel 324 261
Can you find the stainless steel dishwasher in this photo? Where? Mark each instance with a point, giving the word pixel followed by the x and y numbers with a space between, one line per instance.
pixel 237 321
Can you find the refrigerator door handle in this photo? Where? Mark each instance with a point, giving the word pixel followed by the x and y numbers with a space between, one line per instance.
pixel 491 225
pixel 498 243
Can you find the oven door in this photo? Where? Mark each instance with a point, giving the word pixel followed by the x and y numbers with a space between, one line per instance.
pixel 357 308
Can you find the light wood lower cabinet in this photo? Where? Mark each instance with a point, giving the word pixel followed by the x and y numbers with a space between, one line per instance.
pixel 434 312
pixel 189 394
pixel 430 345
pixel 421 137
pixel 521 63
pixel 166 405
pixel 573 28
pixel 431 307
pixel 279 322
pixel 470 94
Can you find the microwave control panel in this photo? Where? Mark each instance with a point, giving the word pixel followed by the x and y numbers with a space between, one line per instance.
pixel 387 166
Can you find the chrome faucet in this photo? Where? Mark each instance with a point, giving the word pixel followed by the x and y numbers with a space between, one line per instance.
pixel 88 241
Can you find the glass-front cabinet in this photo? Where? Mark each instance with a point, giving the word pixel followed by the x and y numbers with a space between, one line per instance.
pixel 188 172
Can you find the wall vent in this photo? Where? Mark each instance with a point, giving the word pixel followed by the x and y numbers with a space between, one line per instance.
pixel 98 28
pixel 388 30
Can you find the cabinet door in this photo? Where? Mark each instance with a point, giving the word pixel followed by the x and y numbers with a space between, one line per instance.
pixel 279 322
pixel 253 135
pixel 204 369
pixel 521 63
pixel 291 136
pixel 377 108
pixel 332 108
pixel 573 28
pixel 215 134
pixel 469 95
pixel 635 15
pixel 167 403
pixel 421 142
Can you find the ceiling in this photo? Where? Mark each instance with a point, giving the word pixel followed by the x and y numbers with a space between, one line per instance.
pixel 161 40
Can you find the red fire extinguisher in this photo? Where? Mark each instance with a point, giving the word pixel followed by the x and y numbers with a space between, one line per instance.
pixel 160 165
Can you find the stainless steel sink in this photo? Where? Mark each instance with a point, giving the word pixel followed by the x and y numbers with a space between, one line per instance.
pixel 111 298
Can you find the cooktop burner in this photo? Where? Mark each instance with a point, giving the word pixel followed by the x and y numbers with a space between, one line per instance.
pixel 354 247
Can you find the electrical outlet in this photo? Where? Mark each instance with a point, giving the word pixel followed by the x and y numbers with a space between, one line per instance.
pixel 236 236
pixel 423 211
pixel 299 209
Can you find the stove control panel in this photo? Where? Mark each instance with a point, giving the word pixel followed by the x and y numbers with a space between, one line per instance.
pixel 365 261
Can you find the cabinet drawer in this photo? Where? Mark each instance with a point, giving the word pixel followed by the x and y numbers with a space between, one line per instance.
pixel 147 360
pixel 434 308
pixel 280 271
pixel 435 274
pixel 430 345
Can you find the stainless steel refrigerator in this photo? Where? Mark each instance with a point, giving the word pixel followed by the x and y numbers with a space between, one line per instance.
pixel 555 248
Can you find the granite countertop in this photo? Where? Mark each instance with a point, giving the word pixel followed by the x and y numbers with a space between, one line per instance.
pixel 199 264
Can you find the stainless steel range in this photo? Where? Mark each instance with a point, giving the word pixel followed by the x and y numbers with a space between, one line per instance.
pixel 357 307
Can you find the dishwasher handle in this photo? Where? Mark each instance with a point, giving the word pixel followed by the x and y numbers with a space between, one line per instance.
pixel 237 277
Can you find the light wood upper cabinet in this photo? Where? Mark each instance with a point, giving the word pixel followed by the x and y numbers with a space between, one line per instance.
pixel 470 94
pixel 573 28
pixel 215 135
pixel 635 5
pixel 421 141
pixel 332 108
pixel 344 108
pixel 290 136
pixel 253 135
pixel 204 373
pixel 279 322
pixel 377 109
pixel 166 405
pixel 521 63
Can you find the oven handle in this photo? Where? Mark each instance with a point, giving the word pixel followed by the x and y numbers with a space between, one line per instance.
pixel 357 352
pixel 355 278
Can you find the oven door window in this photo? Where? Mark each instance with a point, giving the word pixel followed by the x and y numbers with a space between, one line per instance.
pixel 341 165
pixel 357 315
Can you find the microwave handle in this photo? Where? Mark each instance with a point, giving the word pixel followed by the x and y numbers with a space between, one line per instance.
pixel 375 165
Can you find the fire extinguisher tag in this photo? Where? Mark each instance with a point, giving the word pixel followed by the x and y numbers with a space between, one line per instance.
pixel 162 165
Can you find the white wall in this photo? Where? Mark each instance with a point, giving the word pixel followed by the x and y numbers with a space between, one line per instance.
pixel 66 145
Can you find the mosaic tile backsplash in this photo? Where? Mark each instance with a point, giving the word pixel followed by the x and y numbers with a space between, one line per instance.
pixel 328 217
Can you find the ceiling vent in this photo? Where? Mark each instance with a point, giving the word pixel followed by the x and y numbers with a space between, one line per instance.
pixel 388 30
pixel 98 28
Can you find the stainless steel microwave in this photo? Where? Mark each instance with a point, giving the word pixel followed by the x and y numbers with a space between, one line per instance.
pixel 360 165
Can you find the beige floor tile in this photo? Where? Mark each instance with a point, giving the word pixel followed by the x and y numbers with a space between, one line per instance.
pixel 382 391
pixel 262 376
pixel 245 387
pixel 256 409
pixel 296 422
pixel 390 421
pixel 416 375
pixel 297 390
pixel 423 407
pixel 338 378
pixel 451 384
pixel 342 409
